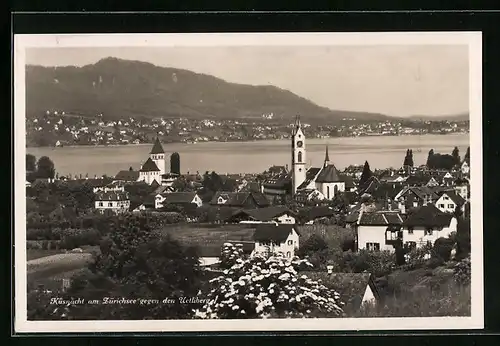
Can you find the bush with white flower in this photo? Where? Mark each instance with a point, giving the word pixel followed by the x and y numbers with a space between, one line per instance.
pixel 261 287
pixel 229 254
pixel 417 258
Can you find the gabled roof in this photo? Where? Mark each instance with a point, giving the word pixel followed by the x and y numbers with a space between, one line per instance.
pixel 149 166
pixel 265 214
pixel 238 199
pixel 350 286
pixel 157 147
pixel 127 175
pixel 380 218
pixel 318 212
pixel 179 197
pixel 310 175
pixel 428 216
pixel 457 199
pixel 328 174
pixel 272 232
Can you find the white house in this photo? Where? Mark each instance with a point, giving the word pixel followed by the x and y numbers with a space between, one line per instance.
pixel 462 189
pixel 465 168
pixel 426 224
pixel 177 198
pixel 378 230
pixel 449 201
pixel 276 238
pixel 114 201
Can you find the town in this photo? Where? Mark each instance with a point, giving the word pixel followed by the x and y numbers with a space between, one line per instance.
pixel 299 241
pixel 58 128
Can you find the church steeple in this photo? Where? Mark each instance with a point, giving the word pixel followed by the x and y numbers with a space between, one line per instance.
pixel 327 158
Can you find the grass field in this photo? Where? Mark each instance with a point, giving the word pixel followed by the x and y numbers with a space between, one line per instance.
pixel 197 234
pixel 32 254
pixel 45 267
pixel 334 235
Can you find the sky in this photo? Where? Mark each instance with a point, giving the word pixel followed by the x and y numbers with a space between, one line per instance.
pixel 397 80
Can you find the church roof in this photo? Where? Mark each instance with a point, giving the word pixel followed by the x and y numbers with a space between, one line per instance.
pixel 328 174
pixel 310 175
pixel 157 148
pixel 149 166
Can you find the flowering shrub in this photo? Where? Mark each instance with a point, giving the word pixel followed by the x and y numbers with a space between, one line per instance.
pixel 264 288
pixel 462 271
pixel 417 258
pixel 229 254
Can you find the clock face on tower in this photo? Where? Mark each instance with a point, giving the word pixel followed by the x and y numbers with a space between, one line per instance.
pixel 299 144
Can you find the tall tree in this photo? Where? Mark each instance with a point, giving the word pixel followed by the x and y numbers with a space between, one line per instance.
pixel 45 168
pixel 175 163
pixel 365 176
pixel 410 158
pixel 30 163
pixel 405 162
pixel 467 155
pixel 456 155
pixel 430 159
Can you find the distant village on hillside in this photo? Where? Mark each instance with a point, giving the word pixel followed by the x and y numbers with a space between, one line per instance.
pixel 58 128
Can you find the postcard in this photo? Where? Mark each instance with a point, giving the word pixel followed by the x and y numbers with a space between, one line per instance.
pixel 248 182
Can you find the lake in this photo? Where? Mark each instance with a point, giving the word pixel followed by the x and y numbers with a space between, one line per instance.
pixel 253 157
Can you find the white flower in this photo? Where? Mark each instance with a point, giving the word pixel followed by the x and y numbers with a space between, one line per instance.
pixel 235 307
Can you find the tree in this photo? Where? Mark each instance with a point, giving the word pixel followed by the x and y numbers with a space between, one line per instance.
pixel 30 163
pixel 456 155
pixel 407 156
pixel 316 250
pixel 230 253
pixel 467 155
pixel 410 158
pixel 429 158
pixel 262 287
pixel 442 248
pixel 135 264
pixel 463 238
pixel 175 163
pixel 365 176
pixel 45 168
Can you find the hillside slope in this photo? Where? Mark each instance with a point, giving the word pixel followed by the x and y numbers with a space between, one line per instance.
pixel 122 88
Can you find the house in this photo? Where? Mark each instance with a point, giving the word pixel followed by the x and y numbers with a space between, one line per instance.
pixel 247 200
pixel 168 179
pixel 271 214
pixel 414 197
pixel 136 207
pixel 449 201
pixel 127 176
pixel 432 182
pixel 356 290
pixel 426 224
pixel 277 185
pixel 315 214
pixel 462 188
pixel 307 195
pixel 115 201
pixel 178 198
pixel 276 238
pixel 150 172
pixel 378 230
pixel 465 167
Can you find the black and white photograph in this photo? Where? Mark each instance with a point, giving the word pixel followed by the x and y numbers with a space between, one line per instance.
pixel 248 182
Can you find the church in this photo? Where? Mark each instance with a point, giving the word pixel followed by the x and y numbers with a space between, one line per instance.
pixel 323 182
pixel 154 167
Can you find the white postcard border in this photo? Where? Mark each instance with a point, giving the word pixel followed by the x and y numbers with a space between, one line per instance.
pixel 472 39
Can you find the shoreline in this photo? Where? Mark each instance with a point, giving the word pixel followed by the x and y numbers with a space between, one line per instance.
pixel 240 141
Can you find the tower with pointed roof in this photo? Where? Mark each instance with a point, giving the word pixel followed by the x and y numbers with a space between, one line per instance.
pixel 298 155
pixel 157 155
pixel 328 181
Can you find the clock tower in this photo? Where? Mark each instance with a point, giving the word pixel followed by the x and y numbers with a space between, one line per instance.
pixel 298 155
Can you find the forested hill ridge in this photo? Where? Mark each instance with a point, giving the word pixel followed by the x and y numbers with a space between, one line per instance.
pixel 122 88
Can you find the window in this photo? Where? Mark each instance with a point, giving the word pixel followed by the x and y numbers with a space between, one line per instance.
pixel 441 206
pixel 288 254
pixel 300 169
pixel 445 198
pixel 101 204
pixel 299 156
pixel 451 206
pixel 110 204
pixel 415 204
pixel 328 192
pixel 373 246
pixel 428 231
pixel 410 230
pixel 290 242
pixel 429 243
